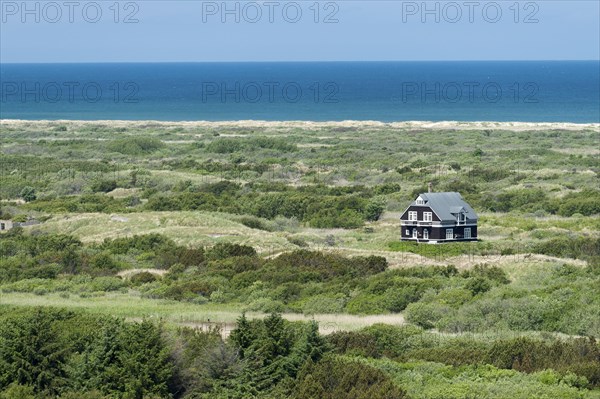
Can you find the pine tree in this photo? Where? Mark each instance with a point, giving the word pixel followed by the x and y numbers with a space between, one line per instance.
pixel 31 351
pixel 314 345
pixel 242 335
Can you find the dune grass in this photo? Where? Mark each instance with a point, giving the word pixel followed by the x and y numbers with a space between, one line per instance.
pixel 193 229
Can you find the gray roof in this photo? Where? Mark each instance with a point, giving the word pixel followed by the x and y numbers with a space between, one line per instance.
pixel 446 205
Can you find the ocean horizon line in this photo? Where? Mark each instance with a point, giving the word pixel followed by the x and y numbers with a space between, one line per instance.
pixel 288 61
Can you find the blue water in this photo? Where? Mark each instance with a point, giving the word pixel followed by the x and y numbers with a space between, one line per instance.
pixel 544 91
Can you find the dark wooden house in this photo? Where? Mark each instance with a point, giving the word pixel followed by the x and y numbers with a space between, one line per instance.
pixel 439 217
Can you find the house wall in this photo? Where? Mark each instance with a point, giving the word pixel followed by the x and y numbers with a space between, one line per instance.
pixel 461 229
pixel 438 233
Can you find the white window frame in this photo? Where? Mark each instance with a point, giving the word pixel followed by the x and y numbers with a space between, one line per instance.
pixel 407 232
pixel 415 234
pixel 425 234
pixel 427 216
pixel 467 233
pixel 420 202
pixel 413 216
pixel 451 233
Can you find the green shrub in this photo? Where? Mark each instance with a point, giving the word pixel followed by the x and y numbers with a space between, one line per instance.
pixel 17 391
pixel 478 285
pixel 106 284
pixel 493 273
pixel 103 263
pixel 265 305
pixel 254 223
pixel 28 194
pixel 366 304
pixel 354 343
pixel 297 241
pixel 143 243
pixel 135 145
pixel 142 278
pixel 228 250
pixel 586 203
pixel 426 315
pixel 334 378
pixel 104 186
pixel 528 200
pixel 571 247
pixel 374 209
pixel 324 304
pixel 397 299
pixel 392 341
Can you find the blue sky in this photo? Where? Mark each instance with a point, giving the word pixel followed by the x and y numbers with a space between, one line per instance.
pixel 173 31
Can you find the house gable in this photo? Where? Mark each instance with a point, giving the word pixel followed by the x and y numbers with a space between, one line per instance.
pixel 420 209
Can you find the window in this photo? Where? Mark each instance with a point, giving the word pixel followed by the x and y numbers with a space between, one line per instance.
pixel 407 232
pixel 420 201
pixel 412 215
pixel 426 234
pixel 427 216
pixel 467 232
pixel 449 234
pixel 414 233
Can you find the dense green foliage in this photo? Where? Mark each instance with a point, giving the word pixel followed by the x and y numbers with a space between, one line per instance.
pixel 335 378
pixel 56 352
pixel 579 356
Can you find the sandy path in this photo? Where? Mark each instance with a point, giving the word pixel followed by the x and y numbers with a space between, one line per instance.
pixel 328 323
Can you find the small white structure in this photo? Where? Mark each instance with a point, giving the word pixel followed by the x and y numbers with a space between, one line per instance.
pixel 5 225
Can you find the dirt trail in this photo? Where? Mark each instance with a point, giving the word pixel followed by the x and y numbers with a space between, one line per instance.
pixel 328 323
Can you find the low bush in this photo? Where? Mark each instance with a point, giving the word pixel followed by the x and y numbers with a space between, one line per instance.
pixel 334 378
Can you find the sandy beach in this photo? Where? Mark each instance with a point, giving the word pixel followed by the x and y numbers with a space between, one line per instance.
pixel 250 124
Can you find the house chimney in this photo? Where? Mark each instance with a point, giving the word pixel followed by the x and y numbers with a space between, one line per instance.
pixel 429 187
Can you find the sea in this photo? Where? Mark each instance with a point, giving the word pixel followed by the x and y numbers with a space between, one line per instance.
pixel 525 91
